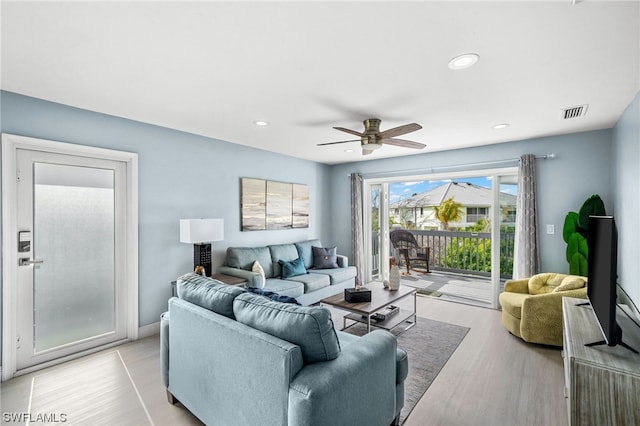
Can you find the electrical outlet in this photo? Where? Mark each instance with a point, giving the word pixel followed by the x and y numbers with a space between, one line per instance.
pixel 551 229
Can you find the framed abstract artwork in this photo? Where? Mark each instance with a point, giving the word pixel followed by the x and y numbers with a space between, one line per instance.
pixel 253 204
pixel 272 205
pixel 300 209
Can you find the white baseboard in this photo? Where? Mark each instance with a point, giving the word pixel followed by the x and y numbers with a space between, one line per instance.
pixel 149 330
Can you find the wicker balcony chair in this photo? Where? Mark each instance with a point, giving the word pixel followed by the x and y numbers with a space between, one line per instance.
pixel 406 246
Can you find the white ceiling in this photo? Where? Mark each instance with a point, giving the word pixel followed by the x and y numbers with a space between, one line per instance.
pixel 212 68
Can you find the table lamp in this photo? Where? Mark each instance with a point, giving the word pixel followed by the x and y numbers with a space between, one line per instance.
pixel 200 232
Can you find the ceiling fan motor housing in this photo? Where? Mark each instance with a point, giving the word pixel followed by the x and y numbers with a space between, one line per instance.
pixel 371 126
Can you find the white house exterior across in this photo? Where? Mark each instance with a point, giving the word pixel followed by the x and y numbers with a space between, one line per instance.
pixel 417 212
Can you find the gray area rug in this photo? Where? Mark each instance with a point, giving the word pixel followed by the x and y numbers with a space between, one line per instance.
pixel 429 345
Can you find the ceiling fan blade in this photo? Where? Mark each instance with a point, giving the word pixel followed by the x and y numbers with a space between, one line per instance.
pixel 333 143
pixel 353 132
pixel 400 130
pixel 403 143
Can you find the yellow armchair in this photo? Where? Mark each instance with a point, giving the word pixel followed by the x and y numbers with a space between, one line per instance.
pixel 532 307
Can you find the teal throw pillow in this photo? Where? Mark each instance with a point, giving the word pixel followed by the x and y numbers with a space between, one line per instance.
pixel 293 268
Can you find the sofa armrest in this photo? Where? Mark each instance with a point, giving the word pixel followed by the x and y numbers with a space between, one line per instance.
pixel 253 278
pixel 542 316
pixel 343 261
pixel 517 286
pixel 358 387
pixel 164 348
pixel 402 366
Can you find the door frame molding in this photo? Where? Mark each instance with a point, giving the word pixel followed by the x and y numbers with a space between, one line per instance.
pixel 10 144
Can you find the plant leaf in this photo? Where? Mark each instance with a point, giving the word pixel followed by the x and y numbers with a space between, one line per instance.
pixel 593 206
pixel 569 227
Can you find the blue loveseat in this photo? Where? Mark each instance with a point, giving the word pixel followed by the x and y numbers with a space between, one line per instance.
pixel 307 289
pixel 236 358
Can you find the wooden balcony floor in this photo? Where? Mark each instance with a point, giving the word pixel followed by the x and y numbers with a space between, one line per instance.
pixel 473 290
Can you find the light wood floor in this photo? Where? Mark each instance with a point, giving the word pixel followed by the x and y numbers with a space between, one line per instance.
pixel 492 378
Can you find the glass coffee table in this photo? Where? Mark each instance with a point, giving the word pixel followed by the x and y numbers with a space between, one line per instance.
pixel 381 298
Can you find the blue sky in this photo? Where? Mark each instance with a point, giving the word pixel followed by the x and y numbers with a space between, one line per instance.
pixel 402 190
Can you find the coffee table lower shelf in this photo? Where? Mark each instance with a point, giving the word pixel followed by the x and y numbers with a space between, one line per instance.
pixel 394 321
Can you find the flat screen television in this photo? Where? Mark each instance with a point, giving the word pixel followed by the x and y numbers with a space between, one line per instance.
pixel 602 267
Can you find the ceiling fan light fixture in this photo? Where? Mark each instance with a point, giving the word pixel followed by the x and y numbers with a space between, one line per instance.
pixel 463 61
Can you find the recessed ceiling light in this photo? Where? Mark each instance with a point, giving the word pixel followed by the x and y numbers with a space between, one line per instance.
pixel 463 61
pixel 261 123
pixel 348 150
pixel 501 126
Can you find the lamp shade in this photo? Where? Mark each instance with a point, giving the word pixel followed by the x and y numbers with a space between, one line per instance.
pixel 195 231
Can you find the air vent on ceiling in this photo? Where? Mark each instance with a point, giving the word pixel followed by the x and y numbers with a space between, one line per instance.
pixel 574 112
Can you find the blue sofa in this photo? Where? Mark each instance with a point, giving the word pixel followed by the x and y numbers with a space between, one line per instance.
pixel 232 357
pixel 307 289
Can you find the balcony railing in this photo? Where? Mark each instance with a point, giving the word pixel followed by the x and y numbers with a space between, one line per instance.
pixel 461 252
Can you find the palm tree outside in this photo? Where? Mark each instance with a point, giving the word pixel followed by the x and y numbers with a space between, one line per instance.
pixel 448 211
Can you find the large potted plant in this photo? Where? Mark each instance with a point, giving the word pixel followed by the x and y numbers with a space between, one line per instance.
pixel 576 231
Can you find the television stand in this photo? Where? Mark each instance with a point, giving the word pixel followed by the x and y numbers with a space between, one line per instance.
pixel 604 342
pixel 601 383
pixel 619 340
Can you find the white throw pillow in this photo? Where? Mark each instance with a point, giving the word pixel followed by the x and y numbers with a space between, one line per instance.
pixel 258 268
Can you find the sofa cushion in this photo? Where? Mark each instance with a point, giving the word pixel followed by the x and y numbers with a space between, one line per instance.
pixel 312 282
pixel 305 251
pixel 309 327
pixel 279 252
pixel 325 257
pixel 292 268
pixel 346 339
pixel 208 293
pixel 243 258
pixel 285 287
pixel 545 282
pixel 337 275
pixel 571 282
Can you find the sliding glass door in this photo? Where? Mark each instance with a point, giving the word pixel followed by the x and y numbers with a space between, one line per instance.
pixel 464 220
pixel 376 232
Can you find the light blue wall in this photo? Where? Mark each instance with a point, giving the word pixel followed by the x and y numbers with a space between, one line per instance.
pixel 181 175
pixel 625 181
pixel 581 168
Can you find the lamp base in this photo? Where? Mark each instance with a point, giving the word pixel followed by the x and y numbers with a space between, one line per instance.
pixel 202 256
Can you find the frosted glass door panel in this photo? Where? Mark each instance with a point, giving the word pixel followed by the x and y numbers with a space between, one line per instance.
pixel 74 235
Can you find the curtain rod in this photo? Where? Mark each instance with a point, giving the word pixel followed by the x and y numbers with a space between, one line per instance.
pixel 456 166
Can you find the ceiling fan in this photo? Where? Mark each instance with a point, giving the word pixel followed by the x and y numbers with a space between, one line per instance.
pixel 372 138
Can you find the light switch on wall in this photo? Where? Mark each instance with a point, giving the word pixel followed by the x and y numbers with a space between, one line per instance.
pixel 551 229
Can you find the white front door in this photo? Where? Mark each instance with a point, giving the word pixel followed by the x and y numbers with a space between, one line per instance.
pixel 70 245
pixel 70 279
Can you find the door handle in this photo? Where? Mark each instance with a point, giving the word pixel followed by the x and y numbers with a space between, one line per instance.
pixel 25 261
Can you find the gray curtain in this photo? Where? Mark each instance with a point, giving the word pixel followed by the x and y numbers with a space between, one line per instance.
pixel 357 236
pixel 526 254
